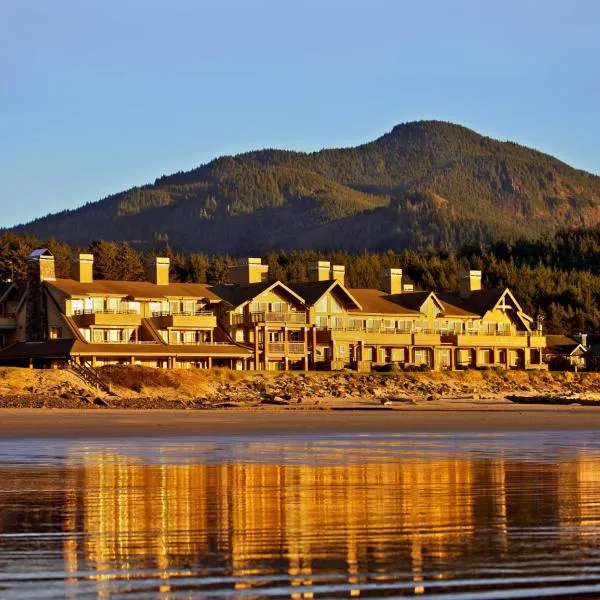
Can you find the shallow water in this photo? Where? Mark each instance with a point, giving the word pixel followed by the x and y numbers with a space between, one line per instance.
pixel 455 516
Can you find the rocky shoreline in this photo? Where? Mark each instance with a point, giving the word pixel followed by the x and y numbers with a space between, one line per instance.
pixel 198 390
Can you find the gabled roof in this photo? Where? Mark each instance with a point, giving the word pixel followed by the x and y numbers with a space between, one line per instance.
pixel 313 291
pixel 134 289
pixel 238 295
pixel 563 345
pixel 377 302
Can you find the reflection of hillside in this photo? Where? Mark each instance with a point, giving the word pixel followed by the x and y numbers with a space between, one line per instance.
pixel 248 517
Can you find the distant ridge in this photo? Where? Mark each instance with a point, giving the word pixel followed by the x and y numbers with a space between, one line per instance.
pixel 423 183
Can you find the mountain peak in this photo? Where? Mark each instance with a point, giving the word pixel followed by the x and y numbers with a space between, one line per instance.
pixel 376 196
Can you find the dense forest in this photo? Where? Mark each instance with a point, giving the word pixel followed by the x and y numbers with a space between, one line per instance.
pixel 423 184
pixel 556 276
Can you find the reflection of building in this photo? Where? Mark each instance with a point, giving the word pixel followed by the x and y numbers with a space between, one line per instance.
pixel 405 522
pixel 354 518
pixel 254 323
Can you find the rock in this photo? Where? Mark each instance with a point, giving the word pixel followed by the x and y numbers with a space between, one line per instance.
pixel 274 400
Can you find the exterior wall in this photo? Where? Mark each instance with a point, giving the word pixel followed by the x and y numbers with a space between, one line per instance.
pixel 283 333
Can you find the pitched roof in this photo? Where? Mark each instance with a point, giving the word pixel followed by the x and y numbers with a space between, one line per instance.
pixel 134 289
pixel 477 304
pixel 63 349
pixel 563 345
pixel 313 291
pixel 236 294
pixel 378 302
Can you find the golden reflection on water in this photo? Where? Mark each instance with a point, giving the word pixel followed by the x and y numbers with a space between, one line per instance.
pixel 259 514
pixel 408 519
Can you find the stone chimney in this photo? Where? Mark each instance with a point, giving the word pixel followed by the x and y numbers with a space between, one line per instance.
pixel 40 268
pixel 319 270
pixel 82 268
pixel 470 281
pixel 40 265
pixel 158 270
pixel 338 272
pixel 391 281
pixel 248 270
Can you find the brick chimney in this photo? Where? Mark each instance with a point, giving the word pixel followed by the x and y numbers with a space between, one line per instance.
pixel 82 268
pixel 40 268
pixel 470 281
pixel 158 270
pixel 338 272
pixel 248 270
pixel 319 270
pixel 391 281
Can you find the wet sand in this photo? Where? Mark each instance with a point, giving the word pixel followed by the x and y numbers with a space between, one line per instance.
pixel 87 424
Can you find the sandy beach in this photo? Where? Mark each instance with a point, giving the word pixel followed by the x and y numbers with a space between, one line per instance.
pixel 48 423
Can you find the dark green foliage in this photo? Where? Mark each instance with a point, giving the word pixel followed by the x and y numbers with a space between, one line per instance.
pixel 425 183
pixel 557 277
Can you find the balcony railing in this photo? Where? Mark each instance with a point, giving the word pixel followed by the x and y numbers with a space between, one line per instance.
pixel 169 313
pixel 253 318
pixel 105 311
pixel 276 347
pixel 296 347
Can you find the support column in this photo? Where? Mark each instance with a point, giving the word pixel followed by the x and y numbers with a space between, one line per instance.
pixel 286 347
pixel 507 359
pixel 266 348
pixel 476 361
pixel 93 362
pixel 361 350
pixel 132 360
pixel 210 362
pixel 436 362
pixel 256 348
pixel 305 341
pixel 492 356
pixel 314 347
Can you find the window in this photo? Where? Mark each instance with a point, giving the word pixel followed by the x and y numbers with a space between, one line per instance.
pixel 258 307
pixel 337 323
pixel 55 333
pixel 322 322
pixel 280 307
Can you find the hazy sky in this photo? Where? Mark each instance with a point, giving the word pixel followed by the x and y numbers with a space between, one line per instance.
pixel 96 97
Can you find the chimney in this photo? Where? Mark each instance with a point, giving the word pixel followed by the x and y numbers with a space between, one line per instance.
pixel 408 287
pixel 40 265
pixel 470 281
pixel 338 272
pixel 82 268
pixel 319 270
pixel 391 281
pixel 158 270
pixel 40 268
pixel 248 270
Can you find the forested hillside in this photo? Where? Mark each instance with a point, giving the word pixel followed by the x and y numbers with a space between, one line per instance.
pixel 424 183
pixel 557 277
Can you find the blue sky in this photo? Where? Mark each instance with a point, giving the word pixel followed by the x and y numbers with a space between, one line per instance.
pixel 96 97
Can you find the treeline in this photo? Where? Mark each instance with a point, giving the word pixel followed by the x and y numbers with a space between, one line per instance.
pixel 557 277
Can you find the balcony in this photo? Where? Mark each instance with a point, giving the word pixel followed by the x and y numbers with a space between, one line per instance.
pixel 8 323
pixel 427 337
pixel 294 348
pixel 117 318
pixel 506 339
pixel 270 318
pixel 203 319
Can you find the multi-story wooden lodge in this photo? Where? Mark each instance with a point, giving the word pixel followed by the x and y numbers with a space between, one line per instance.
pixel 254 323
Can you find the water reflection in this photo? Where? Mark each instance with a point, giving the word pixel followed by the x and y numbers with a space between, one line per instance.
pixel 106 523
